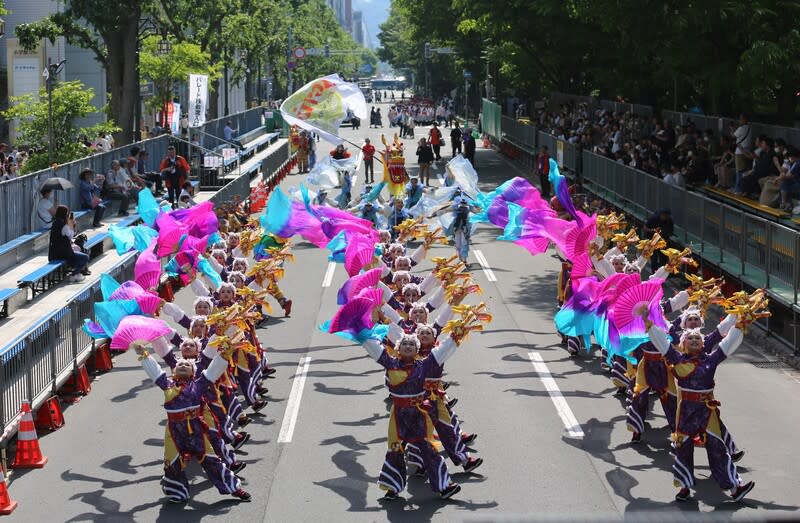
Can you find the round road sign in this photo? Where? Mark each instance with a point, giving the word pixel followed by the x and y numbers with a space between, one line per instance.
pixel 299 53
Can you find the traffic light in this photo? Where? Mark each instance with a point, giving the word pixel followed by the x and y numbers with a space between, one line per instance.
pixel 327 50
pixel 427 49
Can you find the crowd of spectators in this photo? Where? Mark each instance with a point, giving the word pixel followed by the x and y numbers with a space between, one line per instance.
pixel 755 167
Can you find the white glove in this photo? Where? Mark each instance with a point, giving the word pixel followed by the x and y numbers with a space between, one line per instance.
pixel 679 301
pixel 725 325
pixel 173 311
pixel 161 346
pixel 659 339
pixel 387 292
pixel 198 288
pixel 390 313
pixel 731 342
pixel 660 274
pixel 236 252
pixel 215 264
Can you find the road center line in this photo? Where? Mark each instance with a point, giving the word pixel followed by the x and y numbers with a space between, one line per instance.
pixel 485 266
pixel 293 406
pixel 567 417
pixel 326 281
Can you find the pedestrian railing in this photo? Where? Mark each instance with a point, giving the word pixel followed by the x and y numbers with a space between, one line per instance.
pixel 18 197
pixel 720 125
pixel 752 250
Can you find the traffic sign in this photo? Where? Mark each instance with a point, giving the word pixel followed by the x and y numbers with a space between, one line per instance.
pixel 299 53
pixel 291 65
pixel 315 51
pixel 467 74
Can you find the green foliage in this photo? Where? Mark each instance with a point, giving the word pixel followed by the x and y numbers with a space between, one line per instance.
pixel 167 70
pixel 70 102
pixel 723 55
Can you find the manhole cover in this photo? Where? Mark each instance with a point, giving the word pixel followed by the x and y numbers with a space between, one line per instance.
pixel 770 365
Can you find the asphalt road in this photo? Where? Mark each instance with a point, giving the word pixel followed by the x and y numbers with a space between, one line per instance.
pixel 106 462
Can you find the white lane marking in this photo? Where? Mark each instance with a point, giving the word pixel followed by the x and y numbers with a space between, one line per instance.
pixel 564 412
pixel 326 281
pixel 293 406
pixel 485 265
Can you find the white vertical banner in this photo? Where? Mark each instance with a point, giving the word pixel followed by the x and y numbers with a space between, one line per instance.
pixel 198 99
pixel 175 120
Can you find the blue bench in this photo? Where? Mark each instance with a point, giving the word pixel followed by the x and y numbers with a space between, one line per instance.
pixel 129 220
pixel 95 241
pixel 5 295
pixel 43 278
pixel 16 242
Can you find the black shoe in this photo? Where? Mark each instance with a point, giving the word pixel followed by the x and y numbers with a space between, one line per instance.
pixel 124 214
pixel 472 464
pixel 269 371
pixel 96 225
pixel 450 491
pixel 621 392
pixel 446 385
pixel 452 402
pixel 262 390
pixel 736 456
pixel 390 495
pixel 742 491
pixel 237 467
pixel 243 421
pixel 636 438
pixel 466 439
pixel 242 494
pixel 86 272
pixel 683 494
pixel 239 440
pixel 420 472
pixel 259 405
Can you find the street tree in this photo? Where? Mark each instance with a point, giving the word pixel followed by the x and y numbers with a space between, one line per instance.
pixel 70 101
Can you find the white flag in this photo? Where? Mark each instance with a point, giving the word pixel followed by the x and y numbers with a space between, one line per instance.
pixel 198 99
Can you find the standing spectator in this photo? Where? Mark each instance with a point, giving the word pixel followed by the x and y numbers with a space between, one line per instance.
pixel 104 143
pixel 45 210
pixel 369 157
pixel 743 140
pixel 469 145
pixel 424 159
pixel 117 186
pixel 378 119
pixel 435 139
pixel 90 197
pixel 312 152
pixel 175 171
pixel 372 117
pixel 543 170
pixel 455 139
pixel 230 133
pixel 61 246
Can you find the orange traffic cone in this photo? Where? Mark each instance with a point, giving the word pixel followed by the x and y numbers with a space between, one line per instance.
pixel 29 455
pixel 7 505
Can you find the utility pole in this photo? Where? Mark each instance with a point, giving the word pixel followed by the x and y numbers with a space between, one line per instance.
pixel 289 85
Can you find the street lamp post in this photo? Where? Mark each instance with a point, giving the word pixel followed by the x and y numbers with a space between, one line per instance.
pixel 50 74
pixel 2 28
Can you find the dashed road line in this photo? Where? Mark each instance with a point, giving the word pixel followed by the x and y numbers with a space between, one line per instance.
pixel 564 412
pixel 293 406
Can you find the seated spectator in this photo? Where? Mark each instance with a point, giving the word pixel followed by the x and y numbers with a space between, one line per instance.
pixel 185 199
pixel 90 197
pixel 765 165
pixel 62 247
pixel 117 187
pixel 45 209
pixel 152 178
pixel 674 176
pixel 724 167
pixel 789 180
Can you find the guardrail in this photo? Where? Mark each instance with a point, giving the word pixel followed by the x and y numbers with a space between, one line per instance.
pixel 37 363
pixel 721 124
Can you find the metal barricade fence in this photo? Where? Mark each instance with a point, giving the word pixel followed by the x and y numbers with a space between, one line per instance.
pixel 624 107
pixel 241 186
pixel 756 251
pixel 38 362
pixel 212 133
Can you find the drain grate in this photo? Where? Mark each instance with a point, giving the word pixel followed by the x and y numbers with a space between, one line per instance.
pixel 771 365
